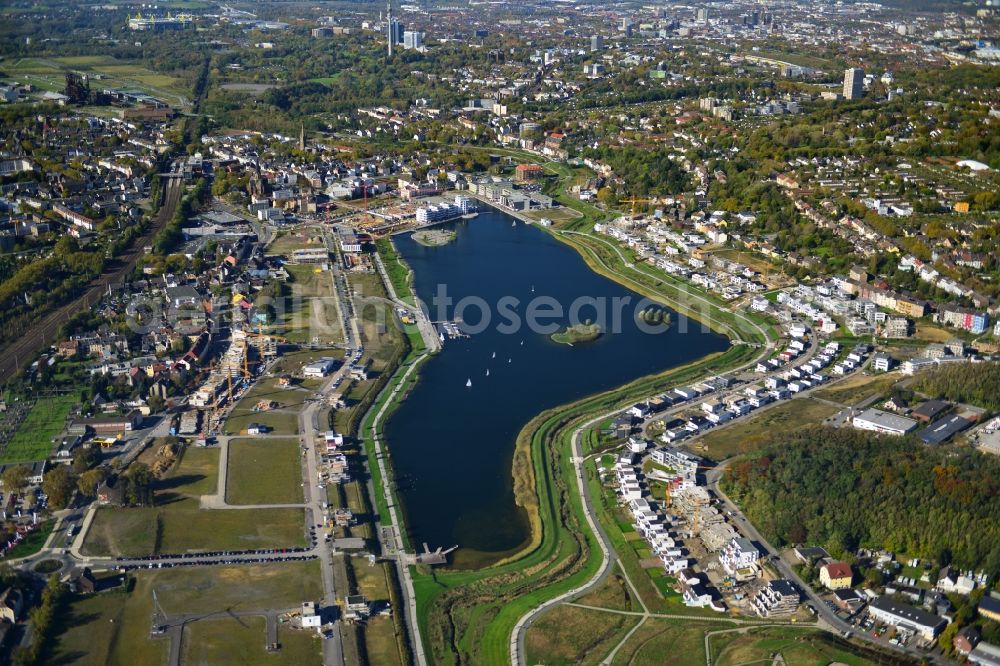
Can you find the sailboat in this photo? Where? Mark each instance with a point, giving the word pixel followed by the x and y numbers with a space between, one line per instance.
pixel 513 224
pixel 487 372
pixel 468 383
pixel 494 354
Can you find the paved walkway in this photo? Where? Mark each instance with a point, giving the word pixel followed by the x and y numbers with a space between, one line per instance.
pixel 406 581
pixel 432 343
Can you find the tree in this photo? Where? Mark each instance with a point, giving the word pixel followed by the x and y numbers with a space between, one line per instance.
pixel 85 458
pixel 139 488
pixel 90 481
pixel 58 484
pixel 15 479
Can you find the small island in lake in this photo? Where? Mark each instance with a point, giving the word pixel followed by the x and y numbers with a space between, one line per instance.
pixel 654 314
pixel 434 237
pixel 586 332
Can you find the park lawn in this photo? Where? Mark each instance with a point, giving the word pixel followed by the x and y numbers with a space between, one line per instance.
pixel 33 440
pixel 748 434
pixel 860 387
pixel 182 526
pixel 264 471
pixel 243 641
pixel 573 635
pixel 682 640
pixel 798 646
pixel 397 270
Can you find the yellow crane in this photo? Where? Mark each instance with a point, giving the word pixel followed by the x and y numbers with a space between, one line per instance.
pixel 636 200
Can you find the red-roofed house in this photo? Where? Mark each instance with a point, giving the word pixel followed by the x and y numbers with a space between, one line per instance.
pixel 836 575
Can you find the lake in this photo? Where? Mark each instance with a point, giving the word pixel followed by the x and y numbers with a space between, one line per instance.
pixel 452 444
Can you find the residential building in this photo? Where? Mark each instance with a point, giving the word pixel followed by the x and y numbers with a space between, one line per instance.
pixel 740 554
pixel 905 616
pixel 10 605
pixel 989 607
pixel 953 581
pixel 836 575
pixel 966 640
pixel 777 598
pixel 413 40
pixel 985 654
pixel 882 362
pixel 854 82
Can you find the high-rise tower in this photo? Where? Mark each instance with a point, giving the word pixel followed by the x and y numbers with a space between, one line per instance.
pixel 390 28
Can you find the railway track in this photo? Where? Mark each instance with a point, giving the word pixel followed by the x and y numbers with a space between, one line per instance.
pixel 42 333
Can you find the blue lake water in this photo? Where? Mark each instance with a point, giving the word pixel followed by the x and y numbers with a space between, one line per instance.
pixel 452 445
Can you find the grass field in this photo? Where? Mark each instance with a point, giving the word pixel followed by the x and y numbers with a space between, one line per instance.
pixel 242 640
pixel 176 524
pixel 196 474
pixel 311 313
pixel 113 628
pixel 796 646
pixel 283 420
pixel 33 439
pixel 379 633
pixel 658 641
pixel 182 527
pixel 860 387
pixel 105 71
pixel 571 635
pixel 613 594
pixel 264 471
pixel 748 434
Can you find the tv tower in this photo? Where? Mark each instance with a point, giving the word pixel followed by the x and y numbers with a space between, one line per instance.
pixel 391 29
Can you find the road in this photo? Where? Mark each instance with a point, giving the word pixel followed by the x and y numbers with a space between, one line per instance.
pixel 826 614
pixel 432 342
pixel 42 332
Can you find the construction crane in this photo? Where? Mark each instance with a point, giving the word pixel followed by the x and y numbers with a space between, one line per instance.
pixel 635 200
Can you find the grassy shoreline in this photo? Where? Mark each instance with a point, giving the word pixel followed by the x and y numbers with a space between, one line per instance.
pixel 472 613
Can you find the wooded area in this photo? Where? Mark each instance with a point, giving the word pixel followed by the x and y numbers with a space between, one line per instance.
pixel 974 383
pixel 844 489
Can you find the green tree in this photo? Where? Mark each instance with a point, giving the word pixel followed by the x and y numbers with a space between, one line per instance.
pixel 15 479
pixel 58 484
pixel 90 481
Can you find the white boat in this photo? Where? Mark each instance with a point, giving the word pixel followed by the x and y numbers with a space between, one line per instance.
pixel 468 383
pixel 508 360
pixel 487 372
pixel 494 354
pixel 532 288
pixel 522 343
pixel 513 224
